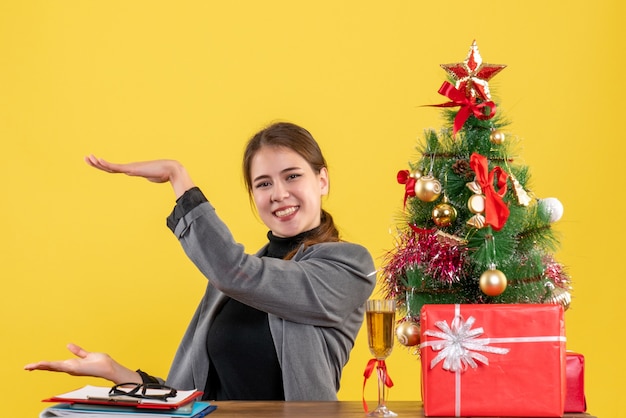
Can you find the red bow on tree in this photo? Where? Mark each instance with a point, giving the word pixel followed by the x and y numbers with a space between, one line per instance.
pixel 469 105
pixel 496 211
pixel 404 177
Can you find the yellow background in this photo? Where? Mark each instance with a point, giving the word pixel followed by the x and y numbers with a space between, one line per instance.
pixel 86 257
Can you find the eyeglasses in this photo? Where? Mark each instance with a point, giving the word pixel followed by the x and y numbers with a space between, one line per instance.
pixel 143 391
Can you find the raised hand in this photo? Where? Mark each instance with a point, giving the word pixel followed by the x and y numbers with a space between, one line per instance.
pixel 156 171
pixel 88 363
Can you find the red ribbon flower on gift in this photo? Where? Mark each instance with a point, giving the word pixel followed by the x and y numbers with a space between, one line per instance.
pixel 469 105
pixel 496 211
pixel 404 177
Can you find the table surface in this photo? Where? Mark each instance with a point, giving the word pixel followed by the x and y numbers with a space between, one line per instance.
pixel 343 409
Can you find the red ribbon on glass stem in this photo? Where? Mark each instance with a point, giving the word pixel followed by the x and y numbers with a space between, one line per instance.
pixel 496 211
pixel 468 106
pixel 404 177
pixel 381 367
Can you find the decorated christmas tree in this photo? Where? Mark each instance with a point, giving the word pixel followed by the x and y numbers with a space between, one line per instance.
pixel 471 231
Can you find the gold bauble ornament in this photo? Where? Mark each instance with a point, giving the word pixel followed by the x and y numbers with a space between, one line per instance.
pixel 415 174
pixel 497 137
pixel 492 282
pixel 427 188
pixel 408 333
pixel 444 214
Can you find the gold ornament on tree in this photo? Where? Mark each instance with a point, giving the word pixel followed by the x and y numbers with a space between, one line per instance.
pixel 444 214
pixel 449 239
pixel 522 195
pixel 476 205
pixel 408 331
pixel 493 282
pixel 497 137
pixel 427 188
pixel 558 295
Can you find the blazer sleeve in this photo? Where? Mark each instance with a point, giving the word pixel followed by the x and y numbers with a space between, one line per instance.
pixel 320 286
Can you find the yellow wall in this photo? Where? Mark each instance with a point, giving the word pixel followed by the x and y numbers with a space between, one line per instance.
pixel 86 257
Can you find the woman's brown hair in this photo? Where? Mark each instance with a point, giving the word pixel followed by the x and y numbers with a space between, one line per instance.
pixel 293 137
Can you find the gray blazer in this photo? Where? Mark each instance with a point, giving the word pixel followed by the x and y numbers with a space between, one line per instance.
pixel 315 304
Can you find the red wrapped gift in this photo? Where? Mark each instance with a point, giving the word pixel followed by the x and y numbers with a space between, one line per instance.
pixel 575 374
pixel 493 360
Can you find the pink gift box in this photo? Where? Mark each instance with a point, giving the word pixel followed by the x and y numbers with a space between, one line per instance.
pixel 575 374
pixel 493 360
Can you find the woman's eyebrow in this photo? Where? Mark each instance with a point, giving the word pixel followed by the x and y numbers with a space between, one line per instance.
pixel 267 176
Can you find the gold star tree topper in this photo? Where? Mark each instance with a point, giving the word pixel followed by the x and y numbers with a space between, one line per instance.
pixel 472 75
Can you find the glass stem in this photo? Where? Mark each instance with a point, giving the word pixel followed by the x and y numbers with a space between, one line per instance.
pixel 381 387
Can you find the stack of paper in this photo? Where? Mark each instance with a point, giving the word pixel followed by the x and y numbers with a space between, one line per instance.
pixel 95 402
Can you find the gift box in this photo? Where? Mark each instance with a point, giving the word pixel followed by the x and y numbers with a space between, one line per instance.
pixel 493 360
pixel 575 382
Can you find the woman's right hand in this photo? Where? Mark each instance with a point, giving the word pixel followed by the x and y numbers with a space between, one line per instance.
pixel 88 363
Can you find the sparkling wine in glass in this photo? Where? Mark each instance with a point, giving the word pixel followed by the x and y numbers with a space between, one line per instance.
pixel 381 319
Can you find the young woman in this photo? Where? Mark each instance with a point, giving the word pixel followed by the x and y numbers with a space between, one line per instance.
pixel 279 324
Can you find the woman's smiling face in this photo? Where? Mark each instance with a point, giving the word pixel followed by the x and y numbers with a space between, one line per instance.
pixel 286 190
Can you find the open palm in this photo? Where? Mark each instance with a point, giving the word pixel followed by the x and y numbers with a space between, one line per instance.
pixel 84 364
pixel 157 171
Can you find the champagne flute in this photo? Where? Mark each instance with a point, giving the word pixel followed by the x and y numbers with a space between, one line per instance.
pixel 381 318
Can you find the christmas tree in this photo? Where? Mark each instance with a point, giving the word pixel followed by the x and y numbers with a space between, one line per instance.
pixel 471 230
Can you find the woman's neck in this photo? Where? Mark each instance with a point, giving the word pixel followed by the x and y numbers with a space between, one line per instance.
pixel 279 247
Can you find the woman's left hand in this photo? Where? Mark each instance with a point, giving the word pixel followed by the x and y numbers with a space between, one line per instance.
pixel 156 171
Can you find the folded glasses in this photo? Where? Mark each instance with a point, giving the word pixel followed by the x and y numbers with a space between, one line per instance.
pixel 143 391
